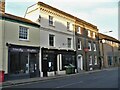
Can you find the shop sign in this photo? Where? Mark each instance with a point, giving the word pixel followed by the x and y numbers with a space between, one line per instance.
pixel 24 50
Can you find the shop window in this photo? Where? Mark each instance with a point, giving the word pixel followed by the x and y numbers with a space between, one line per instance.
pixel 67 60
pixel 52 62
pixel 51 40
pixel 79 45
pixel 19 63
pixel 23 33
pixel 69 42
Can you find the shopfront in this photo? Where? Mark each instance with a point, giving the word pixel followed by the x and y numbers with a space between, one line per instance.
pixel 23 62
pixel 54 61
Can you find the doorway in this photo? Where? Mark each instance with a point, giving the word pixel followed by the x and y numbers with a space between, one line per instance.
pixel 80 62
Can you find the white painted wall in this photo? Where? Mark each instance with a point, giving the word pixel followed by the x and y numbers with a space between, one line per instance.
pixel 1 43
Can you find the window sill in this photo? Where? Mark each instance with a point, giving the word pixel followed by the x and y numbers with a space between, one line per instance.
pixel 69 30
pixel 24 40
pixel 52 25
pixel 79 49
pixel 90 64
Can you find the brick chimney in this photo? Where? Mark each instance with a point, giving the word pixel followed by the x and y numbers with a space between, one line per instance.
pixel 2 6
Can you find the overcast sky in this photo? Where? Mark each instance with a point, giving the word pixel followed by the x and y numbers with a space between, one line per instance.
pixel 102 13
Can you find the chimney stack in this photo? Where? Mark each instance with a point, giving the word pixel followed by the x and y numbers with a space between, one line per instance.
pixel 2 6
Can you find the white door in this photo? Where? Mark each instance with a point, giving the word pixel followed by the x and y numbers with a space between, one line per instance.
pixel 80 62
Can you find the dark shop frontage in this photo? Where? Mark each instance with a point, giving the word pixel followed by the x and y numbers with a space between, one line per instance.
pixel 54 60
pixel 23 62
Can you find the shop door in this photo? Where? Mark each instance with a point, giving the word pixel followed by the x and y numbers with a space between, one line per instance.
pixel 45 65
pixel 33 64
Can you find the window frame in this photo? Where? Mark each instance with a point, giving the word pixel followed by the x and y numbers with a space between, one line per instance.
pixel 95 47
pixel 89 43
pixel 94 35
pixel 68 25
pixel 80 44
pixel 51 20
pixel 79 30
pixel 90 60
pixel 89 33
pixel 53 41
pixel 69 44
pixel 20 32
pixel 96 60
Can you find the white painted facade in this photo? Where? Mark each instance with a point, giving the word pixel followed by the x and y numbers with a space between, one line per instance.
pixel 40 15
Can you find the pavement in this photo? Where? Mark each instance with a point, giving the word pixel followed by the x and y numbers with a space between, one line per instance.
pixel 30 80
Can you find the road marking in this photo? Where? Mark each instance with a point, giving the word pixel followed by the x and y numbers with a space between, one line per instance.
pixel 69 84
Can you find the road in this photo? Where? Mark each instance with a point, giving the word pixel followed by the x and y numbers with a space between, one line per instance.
pixel 101 79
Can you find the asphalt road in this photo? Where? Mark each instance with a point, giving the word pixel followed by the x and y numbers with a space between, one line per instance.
pixel 101 79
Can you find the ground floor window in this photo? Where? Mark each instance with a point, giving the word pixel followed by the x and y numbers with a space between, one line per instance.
pixel 18 62
pixel 90 60
pixel 109 60
pixel 23 60
pixel 95 62
pixel 116 60
pixel 67 59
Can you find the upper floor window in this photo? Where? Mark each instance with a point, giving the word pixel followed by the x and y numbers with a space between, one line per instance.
pixel 89 46
pixel 93 34
pixel 51 22
pixel 79 30
pixel 94 46
pixel 89 34
pixel 79 44
pixel 23 33
pixel 68 25
pixel 69 42
pixel 51 40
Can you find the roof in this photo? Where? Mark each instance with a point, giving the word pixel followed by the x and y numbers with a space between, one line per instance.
pixel 17 18
pixel 106 37
pixel 64 13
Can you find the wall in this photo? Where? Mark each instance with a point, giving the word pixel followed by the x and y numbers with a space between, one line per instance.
pixel 12 37
pixel 1 43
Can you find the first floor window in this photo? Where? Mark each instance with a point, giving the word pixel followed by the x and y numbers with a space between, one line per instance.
pixel 90 60
pixel 89 46
pixel 69 42
pixel 79 44
pixel 23 33
pixel 51 40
